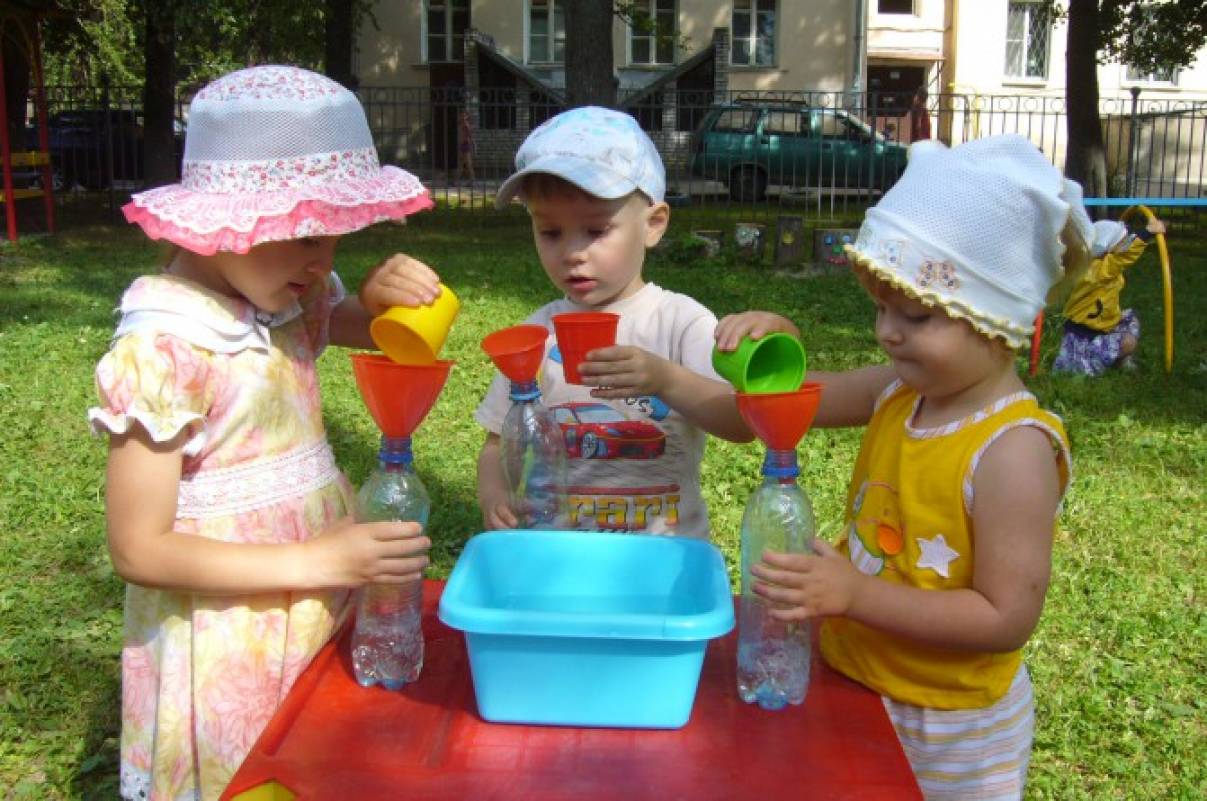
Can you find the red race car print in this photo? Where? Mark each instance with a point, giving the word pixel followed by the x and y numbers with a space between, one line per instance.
pixel 596 431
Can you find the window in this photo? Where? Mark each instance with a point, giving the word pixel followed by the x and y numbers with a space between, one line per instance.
pixel 895 7
pixel 1167 75
pixel 445 23
pixel 656 44
pixel 735 121
pixel 832 127
pixel 783 123
pixel 546 32
pixel 753 29
pixel 1027 27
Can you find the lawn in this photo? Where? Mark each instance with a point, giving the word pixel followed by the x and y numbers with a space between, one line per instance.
pixel 1119 659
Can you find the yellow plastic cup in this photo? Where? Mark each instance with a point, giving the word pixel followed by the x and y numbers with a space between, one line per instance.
pixel 416 334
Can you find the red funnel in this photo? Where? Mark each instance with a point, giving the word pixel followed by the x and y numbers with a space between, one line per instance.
pixel 517 351
pixel 399 396
pixel 780 419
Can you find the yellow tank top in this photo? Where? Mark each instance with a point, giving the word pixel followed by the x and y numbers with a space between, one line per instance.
pixel 908 521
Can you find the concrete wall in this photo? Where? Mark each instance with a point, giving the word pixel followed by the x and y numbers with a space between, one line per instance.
pixel 980 41
pixel 813 41
pixel 391 56
pixel 920 32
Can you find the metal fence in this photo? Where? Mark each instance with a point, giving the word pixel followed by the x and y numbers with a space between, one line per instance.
pixel 816 154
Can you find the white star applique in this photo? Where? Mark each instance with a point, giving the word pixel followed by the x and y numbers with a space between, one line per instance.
pixel 936 554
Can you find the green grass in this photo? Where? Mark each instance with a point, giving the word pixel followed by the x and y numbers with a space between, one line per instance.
pixel 1119 658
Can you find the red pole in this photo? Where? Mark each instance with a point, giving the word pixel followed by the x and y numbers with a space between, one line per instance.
pixel 43 126
pixel 1039 332
pixel 10 203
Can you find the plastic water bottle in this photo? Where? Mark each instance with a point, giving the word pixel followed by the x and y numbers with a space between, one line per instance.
pixel 534 459
pixel 387 643
pixel 773 656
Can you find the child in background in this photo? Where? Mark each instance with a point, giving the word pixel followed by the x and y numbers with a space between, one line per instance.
pixel 1098 334
pixel 593 184
pixel 227 515
pixel 940 575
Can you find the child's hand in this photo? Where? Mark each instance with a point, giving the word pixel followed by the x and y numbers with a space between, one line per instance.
pixel 754 324
pixel 806 585
pixel 349 554
pixel 623 371
pixel 398 281
pixel 1155 226
pixel 499 516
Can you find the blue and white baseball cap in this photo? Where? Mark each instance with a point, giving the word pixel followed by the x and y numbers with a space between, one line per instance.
pixel 601 151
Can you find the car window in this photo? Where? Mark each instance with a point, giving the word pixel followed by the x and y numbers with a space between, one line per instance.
pixel 737 120
pixel 833 128
pixel 598 414
pixel 783 122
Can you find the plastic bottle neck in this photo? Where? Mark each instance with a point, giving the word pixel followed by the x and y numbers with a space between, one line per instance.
pixel 525 391
pixel 395 453
pixel 780 464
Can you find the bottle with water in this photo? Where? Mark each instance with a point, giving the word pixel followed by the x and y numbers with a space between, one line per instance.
pixel 534 459
pixel 773 656
pixel 387 643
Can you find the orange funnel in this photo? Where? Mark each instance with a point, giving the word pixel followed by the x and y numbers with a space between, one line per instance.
pixel 780 419
pixel 399 396
pixel 517 351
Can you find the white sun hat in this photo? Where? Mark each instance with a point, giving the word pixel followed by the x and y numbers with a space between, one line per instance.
pixel 602 152
pixel 975 230
pixel 1107 236
pixel 273 153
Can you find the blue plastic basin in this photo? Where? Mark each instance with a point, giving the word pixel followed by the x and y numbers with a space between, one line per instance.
pixel 576 628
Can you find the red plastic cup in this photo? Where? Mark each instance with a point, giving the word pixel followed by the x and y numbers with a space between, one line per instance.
pixel 579 333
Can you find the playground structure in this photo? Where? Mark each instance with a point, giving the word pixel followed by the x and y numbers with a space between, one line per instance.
pixel 19 28
pixel 1135 206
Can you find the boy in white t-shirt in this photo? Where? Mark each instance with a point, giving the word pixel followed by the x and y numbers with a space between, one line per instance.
pixel 594 184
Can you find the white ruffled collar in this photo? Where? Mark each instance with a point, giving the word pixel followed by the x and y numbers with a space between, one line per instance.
pixel 200 316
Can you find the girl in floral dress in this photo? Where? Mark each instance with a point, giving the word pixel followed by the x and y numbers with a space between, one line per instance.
pixel 227 515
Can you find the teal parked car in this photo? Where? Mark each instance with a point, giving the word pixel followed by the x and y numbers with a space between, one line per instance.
pixel 752 145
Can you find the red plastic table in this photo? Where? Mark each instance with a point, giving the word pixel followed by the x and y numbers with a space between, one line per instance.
pixel 334 739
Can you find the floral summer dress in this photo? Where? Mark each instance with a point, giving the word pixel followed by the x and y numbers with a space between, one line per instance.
pixel 202 675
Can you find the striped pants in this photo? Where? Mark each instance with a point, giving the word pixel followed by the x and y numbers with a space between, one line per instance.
pixel 970 753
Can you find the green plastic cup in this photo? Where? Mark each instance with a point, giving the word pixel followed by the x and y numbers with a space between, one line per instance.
pixel 772 363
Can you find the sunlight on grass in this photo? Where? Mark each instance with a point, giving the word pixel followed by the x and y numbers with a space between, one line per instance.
pixel 1119 658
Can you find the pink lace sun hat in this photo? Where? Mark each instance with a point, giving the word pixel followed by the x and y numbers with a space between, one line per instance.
pixel 274 153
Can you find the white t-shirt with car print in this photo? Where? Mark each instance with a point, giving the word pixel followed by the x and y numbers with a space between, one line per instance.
pixel 632 464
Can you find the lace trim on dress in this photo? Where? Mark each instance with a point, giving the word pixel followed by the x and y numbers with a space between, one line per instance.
pixel 242 488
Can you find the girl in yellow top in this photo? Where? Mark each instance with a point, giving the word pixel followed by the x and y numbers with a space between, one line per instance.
pixel 1098 332
pixel 940 575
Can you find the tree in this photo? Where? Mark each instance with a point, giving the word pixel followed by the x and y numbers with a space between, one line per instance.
pixel 159 92
pixel 1148 36
pixel 590 80
pixel 338 40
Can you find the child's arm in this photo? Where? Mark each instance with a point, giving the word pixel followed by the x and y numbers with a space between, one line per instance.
pixel 623 371
pixel 493 497
pixel 140 499
pixel 397 281
pixel 847 398
pixel 1017 490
